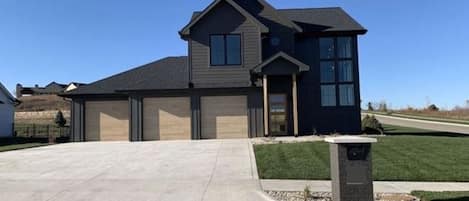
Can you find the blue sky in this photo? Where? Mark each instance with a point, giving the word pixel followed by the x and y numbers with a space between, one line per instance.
pixel 415 51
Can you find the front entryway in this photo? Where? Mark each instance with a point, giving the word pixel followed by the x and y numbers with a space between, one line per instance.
pixel 278 109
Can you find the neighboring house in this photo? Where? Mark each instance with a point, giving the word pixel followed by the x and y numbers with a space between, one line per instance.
pixel 52 88
pixel 252 71
pixel 72 86
pixel 7 112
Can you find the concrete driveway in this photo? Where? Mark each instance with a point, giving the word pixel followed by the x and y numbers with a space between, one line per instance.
pixel 166 170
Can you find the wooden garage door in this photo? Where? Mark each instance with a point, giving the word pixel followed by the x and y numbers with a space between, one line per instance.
pixel 166 118
pixel 107 121
pixel 224 117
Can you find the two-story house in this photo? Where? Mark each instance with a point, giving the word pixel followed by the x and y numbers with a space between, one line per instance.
pixel 252 71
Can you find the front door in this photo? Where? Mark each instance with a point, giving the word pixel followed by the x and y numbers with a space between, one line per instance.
pixel 278 114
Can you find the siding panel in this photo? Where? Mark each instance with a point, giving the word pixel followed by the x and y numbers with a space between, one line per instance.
pixel 203 75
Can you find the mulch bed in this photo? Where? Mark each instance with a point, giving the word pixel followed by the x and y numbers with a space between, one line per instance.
pixel 326 196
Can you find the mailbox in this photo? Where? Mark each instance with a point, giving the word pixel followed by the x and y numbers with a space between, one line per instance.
pixel 351 171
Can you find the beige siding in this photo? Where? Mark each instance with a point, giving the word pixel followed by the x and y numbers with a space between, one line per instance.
pixel 203 75
pixel 166 118
pixel 224 117
pixel 107 121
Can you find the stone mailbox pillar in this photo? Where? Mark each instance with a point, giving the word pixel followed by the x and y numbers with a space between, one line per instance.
pixel 351 171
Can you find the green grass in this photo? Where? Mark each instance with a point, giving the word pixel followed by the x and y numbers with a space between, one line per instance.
pixel 9 144
pixel 442 196
pixel 406 154
pixel 21 146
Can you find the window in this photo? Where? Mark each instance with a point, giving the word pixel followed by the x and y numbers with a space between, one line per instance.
pixel 345 71
pixel 225 50
pixel 327 72
pixel 327 48
pixel 346 94
pixel 336 71
pixel 344 47
pixel 328 95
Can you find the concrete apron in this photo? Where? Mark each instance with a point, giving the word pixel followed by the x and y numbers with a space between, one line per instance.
pixel 121 171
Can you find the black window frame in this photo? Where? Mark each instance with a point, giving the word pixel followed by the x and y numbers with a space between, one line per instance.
pixel 226 50
pixel 336 60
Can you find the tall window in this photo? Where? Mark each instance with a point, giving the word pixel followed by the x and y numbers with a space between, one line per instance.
pixel 225 50
pixel 336 72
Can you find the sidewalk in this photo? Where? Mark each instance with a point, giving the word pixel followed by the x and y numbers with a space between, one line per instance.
pixel 379 186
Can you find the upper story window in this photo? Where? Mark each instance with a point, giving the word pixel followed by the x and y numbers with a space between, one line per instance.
pixel 225 49
pixel 336 71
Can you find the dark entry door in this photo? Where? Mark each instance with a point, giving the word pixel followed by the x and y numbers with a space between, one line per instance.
pixel 278 114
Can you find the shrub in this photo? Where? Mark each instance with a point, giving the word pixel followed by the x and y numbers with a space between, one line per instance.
pixel 433 108
pixel 371 125
pixel 59 119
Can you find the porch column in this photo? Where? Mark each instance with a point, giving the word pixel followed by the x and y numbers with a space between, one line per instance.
pixel 266 106
pixel 295 105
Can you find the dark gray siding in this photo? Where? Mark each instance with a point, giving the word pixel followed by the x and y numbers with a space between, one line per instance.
pixel 196 123
pixel 77 121
pixel 136 118
pixel 256 113
pixel 312 116
pixel 223 19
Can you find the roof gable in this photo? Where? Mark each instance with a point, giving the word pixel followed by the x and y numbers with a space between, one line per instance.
pixel 281 56
pixel 186 30
pixel 7 94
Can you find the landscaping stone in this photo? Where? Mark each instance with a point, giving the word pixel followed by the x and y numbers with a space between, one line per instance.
pixel 326 196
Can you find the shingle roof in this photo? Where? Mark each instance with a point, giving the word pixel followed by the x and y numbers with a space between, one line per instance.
pixel 323 19
pixel 333 19
pixel 186 29
pixel 167 73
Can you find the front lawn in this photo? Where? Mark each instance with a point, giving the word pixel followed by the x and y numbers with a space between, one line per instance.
pixel 409 155
pixel 442 196
pixel 9 144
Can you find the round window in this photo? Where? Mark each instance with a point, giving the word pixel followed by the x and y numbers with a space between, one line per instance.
pixel 274 41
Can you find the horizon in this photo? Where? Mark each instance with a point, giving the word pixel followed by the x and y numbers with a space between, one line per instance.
pixel 411 55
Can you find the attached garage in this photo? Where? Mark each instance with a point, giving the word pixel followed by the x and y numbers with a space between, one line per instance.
pixel 167 118
pixel 107 121
pixel 224 117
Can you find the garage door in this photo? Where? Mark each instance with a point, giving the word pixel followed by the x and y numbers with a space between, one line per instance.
pixel 166 118
pixel 224 117
pixel 107 121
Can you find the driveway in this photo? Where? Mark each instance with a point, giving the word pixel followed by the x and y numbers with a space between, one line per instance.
pixel 163 170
